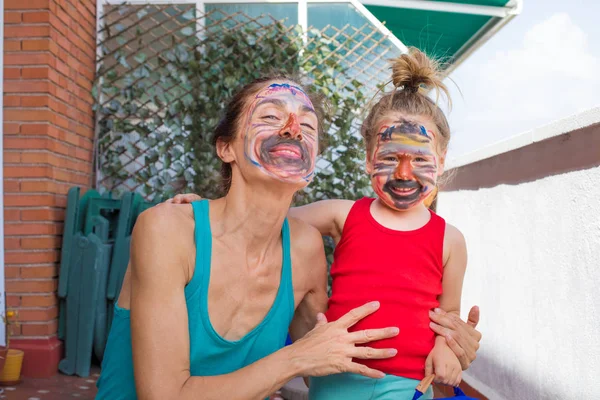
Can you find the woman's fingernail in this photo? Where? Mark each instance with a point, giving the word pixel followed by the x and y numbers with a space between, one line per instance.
pixel 392 352
pixel 374 304
pixel 438 310
pixel 431 313
pixel 396 330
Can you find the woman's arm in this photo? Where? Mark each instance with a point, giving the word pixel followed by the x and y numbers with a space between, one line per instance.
pixel 310 273
pixel 160 338
pixel 461 336
pixel 159 323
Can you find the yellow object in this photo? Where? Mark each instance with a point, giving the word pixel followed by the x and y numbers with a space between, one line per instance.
pixel 11 373
pixel 430 198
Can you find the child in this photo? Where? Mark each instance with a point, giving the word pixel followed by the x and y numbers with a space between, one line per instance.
pixel 393 249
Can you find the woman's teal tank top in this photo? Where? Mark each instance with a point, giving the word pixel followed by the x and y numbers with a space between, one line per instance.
pixel 210 354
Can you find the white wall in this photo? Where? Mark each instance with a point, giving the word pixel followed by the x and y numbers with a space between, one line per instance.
pixel 534 269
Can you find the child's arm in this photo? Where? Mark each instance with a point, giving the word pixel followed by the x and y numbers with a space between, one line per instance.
pixel 328 216
pixel 442 361
pixel 455 264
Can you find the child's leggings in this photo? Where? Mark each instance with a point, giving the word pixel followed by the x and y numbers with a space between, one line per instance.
pixel 357 387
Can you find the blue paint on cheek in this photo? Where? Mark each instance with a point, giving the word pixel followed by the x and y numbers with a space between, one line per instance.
pixel 308 177
pixel 423 131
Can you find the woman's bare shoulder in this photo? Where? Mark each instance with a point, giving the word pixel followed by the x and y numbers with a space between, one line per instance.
pixel 165 217
pixel 303 235
pixel 159 243
pixel 308 253
pixel 166 229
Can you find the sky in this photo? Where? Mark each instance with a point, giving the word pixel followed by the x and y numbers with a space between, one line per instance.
pixel 542 66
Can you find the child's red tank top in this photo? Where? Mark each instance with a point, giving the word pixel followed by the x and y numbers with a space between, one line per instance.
pixel 400 269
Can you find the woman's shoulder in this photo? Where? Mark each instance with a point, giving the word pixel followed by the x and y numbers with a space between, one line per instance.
pixel 165 215
pixel 303 236
pixel 308 254
pixel 163 241
pixel 170 226
pixel 306 242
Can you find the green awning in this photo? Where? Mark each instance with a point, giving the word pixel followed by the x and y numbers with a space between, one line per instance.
pixel 449 30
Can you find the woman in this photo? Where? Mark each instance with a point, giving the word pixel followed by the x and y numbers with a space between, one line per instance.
pixel 212 288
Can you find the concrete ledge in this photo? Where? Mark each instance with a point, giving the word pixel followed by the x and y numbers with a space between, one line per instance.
pixel 573 123
pixel 570 151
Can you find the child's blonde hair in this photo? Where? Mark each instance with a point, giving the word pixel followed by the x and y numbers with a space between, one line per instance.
pixel 413 76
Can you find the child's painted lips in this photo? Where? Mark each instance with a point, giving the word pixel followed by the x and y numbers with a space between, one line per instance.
pixel 403 191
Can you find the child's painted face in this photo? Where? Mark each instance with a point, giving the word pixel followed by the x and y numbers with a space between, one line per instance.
pixel 404 164
pixel 281 136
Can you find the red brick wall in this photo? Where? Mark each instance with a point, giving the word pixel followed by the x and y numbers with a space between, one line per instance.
pixel 49 64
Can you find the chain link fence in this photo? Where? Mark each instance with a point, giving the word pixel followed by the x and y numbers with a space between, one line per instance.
pixel 164 72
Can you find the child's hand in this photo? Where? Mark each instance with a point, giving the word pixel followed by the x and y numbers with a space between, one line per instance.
pixel 185 198
pixel 442 362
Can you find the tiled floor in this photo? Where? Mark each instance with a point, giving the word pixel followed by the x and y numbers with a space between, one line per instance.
pixel 59 387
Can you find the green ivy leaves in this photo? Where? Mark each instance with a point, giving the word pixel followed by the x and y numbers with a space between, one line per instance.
pixel 157 107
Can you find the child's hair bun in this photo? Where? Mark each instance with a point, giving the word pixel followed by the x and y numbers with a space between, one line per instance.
pixel 414 70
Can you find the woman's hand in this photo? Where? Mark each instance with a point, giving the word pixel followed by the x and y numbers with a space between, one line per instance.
pixel 462 337
pixel 184 198
pixel 329 347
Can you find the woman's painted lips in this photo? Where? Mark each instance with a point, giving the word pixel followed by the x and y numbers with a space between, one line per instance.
pixel 286 150
pixel 285 156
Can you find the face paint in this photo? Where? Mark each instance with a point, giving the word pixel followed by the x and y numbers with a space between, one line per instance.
pixel 404 164
pixel 281 134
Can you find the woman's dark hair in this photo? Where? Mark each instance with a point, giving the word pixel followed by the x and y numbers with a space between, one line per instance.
pixel 229 125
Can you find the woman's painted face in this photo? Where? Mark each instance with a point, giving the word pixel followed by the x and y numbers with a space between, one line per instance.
pixel 404 163
pixel 281 137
